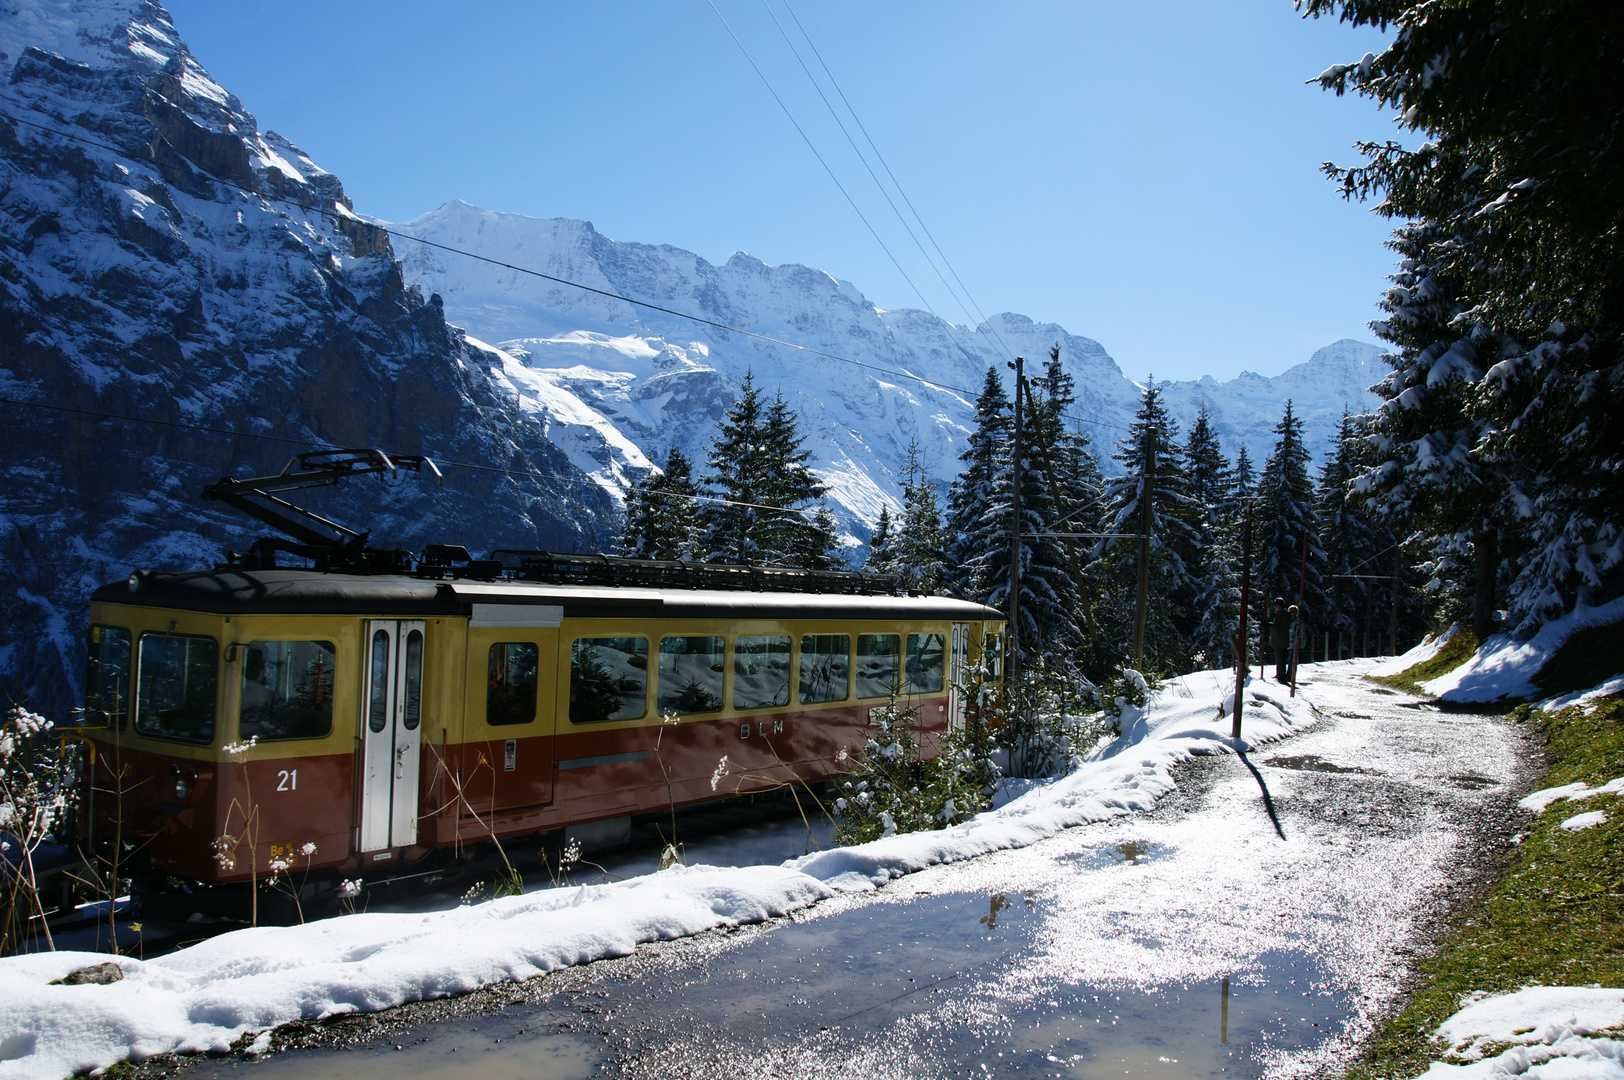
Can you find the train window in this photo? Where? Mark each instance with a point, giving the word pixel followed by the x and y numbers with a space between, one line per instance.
pixel 175 687
pixel 411 708
pixel 877 665
pixel 761 672
pixel 107 676
pixel 995 657
pixel 510 695
pixel 691 674
pixel 825 667
pixel 287 689
pixel 926 661
pixel 378 691
pixel 608 679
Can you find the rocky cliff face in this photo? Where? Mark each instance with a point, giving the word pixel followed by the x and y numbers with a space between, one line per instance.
pixel 618 385
pixel 171 263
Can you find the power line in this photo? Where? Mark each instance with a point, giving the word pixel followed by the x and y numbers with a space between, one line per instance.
pixel 897 183
pixel 351 218
pixel 861 157
pixel 811 146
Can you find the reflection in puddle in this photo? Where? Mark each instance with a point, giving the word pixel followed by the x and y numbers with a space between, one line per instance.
pixel 990 919
pixel 1132 851
pixel 1312 763
pixel 499 1052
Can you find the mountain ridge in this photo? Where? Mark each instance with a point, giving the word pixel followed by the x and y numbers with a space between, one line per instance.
pixel 584 357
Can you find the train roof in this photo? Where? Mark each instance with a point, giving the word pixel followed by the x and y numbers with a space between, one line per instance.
pixel 234 591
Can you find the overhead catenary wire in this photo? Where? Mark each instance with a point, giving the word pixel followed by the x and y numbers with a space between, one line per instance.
pixel 821 161
pixel 979 314
pixel 963 306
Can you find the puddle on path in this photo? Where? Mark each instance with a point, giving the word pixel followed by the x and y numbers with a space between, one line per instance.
pixel 837 987
pixel 1473 781
pixel 491 1050
pixel 1312 763
pixel 1125 853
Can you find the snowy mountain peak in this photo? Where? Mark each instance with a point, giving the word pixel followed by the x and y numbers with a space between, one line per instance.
pixel 611 375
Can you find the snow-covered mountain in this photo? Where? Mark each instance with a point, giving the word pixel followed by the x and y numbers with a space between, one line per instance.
pixel 162 259
pixel 617 385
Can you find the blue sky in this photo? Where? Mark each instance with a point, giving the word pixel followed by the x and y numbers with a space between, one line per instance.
pixel 1144 174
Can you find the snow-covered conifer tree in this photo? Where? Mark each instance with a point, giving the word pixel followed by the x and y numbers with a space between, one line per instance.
pixel 916 553
pixel 1152 438
pixel 1284 515
pixel 970 494
pixel 662 519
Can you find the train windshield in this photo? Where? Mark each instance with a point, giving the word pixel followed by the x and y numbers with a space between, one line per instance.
pixel 107 676
pixel 926 663
pixel 176 680
pixel 287 689
pixel 608 679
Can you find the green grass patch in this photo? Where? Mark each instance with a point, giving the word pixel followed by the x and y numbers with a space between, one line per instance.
pixel 1556 916
pixel 1456 652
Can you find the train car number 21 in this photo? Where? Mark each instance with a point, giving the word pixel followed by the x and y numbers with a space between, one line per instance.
pixel 287 780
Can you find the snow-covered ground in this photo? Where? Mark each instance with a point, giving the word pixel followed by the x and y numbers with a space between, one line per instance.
pixel 1552 1030
pixel 207 996
pixel 1506 667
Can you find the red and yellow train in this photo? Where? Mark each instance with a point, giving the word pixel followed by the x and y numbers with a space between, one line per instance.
pixel 390 718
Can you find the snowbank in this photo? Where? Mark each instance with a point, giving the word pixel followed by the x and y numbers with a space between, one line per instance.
pixel 1506 668
pixel 1537 801
pixel 209 995
pixel 1429 647
pixel 1551 1027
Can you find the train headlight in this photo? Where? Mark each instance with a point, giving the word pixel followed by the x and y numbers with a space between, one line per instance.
pixel 181 790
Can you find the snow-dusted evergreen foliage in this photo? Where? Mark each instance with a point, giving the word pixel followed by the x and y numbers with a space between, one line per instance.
pixel 1356 548
pixel 1154 467
pixel 970 495
pixel 915 548
pixel 662 513
pixel 1501 427
pixel 1284 517
pixel 1215 593
pixel 770 508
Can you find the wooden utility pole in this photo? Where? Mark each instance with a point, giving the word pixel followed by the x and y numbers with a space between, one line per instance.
pixel 1398 565
pixel 1146 520
pixel 1014 661
pixel 1297 628
pixel 1242 645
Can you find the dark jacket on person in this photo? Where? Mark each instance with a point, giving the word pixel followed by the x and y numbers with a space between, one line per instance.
pixel 1280 631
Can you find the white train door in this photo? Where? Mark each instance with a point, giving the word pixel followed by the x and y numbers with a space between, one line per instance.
pixel 958 675
pixel 391 728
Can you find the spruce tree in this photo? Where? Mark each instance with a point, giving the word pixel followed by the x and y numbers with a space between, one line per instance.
pixel 1153 437
pixel 971 492
pixel 1215 592
pixel 735 528
pixel 1354 544
pixel 879 543
pixel 804 533
pixel 772 509
pixel 662 520
pixel 1284 516
pixel 1501 431
pixel 917 551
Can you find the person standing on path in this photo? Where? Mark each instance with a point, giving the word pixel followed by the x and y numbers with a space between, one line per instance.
pixel 1280 627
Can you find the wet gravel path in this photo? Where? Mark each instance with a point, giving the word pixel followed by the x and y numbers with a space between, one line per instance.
pixel 1257 923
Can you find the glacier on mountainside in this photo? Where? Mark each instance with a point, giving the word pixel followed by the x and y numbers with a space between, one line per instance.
pixel 163 259
pixel 619 385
